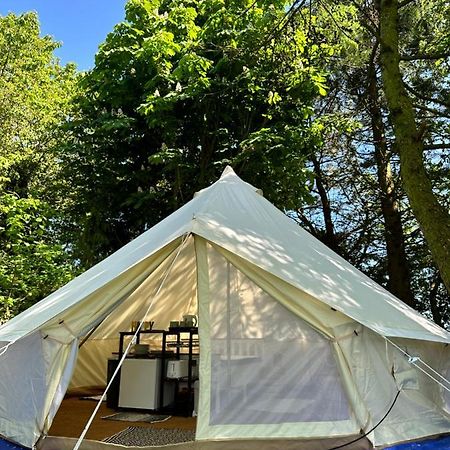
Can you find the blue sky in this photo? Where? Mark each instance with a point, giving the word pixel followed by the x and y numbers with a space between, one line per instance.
pixel 81 25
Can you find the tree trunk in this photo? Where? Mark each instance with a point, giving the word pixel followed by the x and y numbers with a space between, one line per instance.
pixel 330 237
pixel 434 304
pixel 397 264
pixel 433 219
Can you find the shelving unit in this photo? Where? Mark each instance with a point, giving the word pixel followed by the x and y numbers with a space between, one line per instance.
pixel 185 338
pixel 185 407
pixel 122 335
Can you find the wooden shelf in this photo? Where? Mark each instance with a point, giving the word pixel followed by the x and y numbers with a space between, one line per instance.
pixel 185 343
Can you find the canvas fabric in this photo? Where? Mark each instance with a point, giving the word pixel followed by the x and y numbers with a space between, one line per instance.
pixel 232 215
pixel 249 226
pixel 40 364
pixel 178 297
pixel 380 370
pixel 266 370
pixel 33 381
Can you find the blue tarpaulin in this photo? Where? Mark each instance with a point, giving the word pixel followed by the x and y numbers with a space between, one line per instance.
pixel 6 445
pixel 442 443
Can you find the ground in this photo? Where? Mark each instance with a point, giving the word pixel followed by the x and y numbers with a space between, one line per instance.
pixel 74 414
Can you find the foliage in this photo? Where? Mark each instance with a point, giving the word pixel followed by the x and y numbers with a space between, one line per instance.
pixel 35 94
pixel 33 263
pixel 179 90
pixel 348 165
pixel 285 92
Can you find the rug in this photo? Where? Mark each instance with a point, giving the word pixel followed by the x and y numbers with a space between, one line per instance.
pixel 146 437
pixel 130 416
pixel 95 398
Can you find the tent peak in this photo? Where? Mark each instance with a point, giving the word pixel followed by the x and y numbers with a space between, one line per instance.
pixel 228 171
pixel 229 175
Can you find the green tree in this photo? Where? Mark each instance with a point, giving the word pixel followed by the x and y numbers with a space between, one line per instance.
pixel 411 133
pixel 33 262
pixel 179 90
pixel 35 94
pixel 360 195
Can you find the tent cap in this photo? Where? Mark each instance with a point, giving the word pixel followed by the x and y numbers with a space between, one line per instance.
pixel 228 170
pixel 229 174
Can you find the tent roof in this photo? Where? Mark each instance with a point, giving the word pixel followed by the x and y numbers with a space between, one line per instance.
pixel 232 214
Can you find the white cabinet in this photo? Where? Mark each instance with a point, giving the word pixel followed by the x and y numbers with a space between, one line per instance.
pixel 140 384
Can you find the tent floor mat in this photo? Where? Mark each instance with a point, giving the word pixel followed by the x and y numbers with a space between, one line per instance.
pixel 94 398
pixel 74 413
pixel 146 437
pixel 132 416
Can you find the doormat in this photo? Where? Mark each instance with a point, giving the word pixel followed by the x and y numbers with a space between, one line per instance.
pixel 146 437
pixel 94 398
pixel 129 416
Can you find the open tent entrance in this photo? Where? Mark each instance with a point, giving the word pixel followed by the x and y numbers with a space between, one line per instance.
pixel 263 369
pixel 167 293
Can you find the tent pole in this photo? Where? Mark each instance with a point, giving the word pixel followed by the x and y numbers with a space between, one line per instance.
pixel 92 331
pixel 83 341
pixel 228 325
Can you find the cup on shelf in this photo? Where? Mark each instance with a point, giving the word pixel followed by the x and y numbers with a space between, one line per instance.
pixel 190 320
pixel 174 324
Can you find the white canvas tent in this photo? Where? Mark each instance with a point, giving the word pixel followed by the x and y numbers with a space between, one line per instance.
pixel 295 343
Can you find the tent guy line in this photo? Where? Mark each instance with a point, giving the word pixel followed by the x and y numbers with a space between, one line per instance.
pixel 412 360
pixel 5 348
pixel 127 349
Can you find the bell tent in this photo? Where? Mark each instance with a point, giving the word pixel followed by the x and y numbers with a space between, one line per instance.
pixel 296 345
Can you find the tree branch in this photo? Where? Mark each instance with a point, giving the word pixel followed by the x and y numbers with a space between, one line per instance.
pixel 436 112
pixel 404 3
pixel 246 10
pixel 424 56
pixel 425 98
pixel 330 13
pixel 441 146
pixel 280 26
pixel 373 27
pixel 306 222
